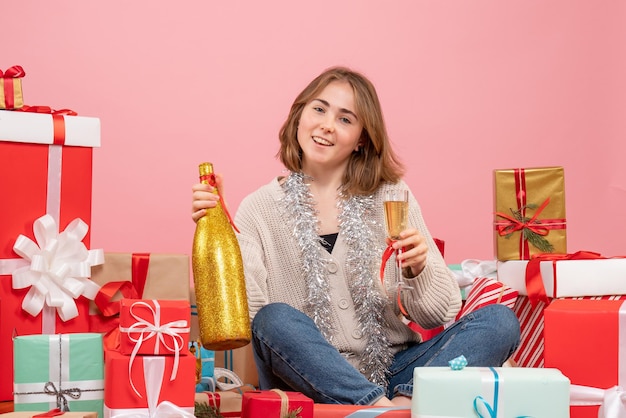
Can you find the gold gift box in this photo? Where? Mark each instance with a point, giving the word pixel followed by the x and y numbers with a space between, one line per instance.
pixel 529 216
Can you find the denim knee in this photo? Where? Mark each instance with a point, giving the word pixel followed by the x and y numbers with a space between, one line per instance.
pixel 505 324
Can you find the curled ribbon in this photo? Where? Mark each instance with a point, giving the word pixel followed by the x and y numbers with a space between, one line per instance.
pixel 147 330
pixel 62 404
pixel 59 267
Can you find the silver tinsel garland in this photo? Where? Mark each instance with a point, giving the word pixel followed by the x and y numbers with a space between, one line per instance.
pixel 363 261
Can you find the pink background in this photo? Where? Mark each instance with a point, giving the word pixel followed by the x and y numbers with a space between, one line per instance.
pixel 466 86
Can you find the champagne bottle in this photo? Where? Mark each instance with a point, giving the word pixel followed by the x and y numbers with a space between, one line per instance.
pixel 218 278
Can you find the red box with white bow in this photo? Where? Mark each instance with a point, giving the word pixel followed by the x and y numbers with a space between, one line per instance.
pixel 45 189
pixel 154 327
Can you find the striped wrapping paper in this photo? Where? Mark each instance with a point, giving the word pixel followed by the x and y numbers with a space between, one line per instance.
pixel 530 351
pixel 487 291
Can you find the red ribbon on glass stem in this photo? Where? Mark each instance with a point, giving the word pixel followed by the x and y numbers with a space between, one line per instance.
pixel 386 255
pixel 7 83
pixel 211 179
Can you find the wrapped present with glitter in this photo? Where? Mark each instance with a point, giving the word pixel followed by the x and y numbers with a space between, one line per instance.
pixel 136 276
pixel 11 96
pixel 147 386
pixel 62 371
pixel 529 213
pixel 275 403
pixel 154 327
pixel 585 340
pixel 490 392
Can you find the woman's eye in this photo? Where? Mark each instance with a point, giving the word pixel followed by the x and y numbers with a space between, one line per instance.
pixel 318 109
pixel 346 120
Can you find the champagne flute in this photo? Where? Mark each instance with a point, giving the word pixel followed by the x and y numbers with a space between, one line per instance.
pixel 396 204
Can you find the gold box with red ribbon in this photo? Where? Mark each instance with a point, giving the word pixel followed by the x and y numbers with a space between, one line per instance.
pixel 11 96
pixel 529 213
pixel 154 327
pixel 45 185
pixel 136 276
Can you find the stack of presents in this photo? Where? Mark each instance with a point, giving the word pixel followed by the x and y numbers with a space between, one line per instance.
pixel 84 333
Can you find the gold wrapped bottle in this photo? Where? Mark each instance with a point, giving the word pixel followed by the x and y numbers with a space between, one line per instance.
pixel 218 278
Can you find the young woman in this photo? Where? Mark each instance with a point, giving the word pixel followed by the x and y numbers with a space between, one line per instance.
pixel 323 322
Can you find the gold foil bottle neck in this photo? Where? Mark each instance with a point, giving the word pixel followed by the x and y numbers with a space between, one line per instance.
pixel 206 172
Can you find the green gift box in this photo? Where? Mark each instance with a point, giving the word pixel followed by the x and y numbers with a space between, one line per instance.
pixel 59 371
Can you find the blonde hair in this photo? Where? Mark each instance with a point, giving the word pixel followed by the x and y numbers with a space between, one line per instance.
pixel 375 162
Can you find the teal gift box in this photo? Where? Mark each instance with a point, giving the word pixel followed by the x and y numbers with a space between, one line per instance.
pixel 496 392
pixel 59 371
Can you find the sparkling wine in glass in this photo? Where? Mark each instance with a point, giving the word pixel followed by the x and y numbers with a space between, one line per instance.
pixel 396 203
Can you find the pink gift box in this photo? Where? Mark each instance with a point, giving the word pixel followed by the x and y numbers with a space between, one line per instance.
pixel 154 327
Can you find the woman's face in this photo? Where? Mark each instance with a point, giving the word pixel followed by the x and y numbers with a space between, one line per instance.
pixel 329 129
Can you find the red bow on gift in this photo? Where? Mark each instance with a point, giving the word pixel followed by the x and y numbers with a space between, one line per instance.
pixel 7 83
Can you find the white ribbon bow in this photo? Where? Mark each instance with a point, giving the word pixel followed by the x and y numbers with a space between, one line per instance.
pixel 59 267
pixel 147 330
pixel 612 401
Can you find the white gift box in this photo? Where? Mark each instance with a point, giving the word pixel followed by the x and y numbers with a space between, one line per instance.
pixel 498 392
pixel 38 128
pixel 569 278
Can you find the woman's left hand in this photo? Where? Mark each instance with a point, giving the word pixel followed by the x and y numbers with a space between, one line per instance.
pixel 414 250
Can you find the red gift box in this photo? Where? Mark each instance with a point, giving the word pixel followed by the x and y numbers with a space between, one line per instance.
pixel 530 353
pixel 37 179
pixel 585 339
pixel 487 291
pixel 273 403
pixel 154 326
pixel 361 411
pixel 147 384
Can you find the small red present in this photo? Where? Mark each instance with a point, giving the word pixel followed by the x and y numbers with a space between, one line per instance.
pixel 227 403
pixel 11 96
pixel 362 411
pixel 275 404
pixel 154 326
pixel 585 339
pixel 149 384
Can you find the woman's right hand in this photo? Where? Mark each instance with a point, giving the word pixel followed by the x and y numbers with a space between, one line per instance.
pixel 203 198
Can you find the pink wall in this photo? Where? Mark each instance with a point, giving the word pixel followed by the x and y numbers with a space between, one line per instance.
pixel 467 86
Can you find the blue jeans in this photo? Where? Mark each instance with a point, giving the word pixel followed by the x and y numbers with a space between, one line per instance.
pixel 291 354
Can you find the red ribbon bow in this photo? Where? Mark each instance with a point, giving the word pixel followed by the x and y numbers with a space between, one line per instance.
pixel 515 225
pixel 534 282
pixel 7 83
